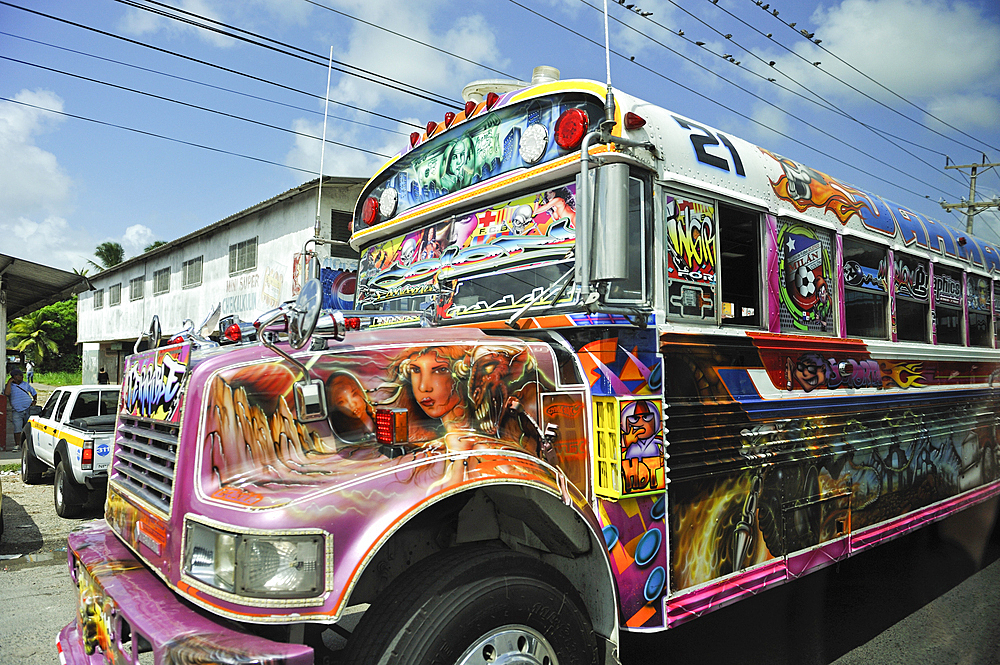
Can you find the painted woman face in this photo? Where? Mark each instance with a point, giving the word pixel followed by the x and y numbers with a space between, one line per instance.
pixel 433 386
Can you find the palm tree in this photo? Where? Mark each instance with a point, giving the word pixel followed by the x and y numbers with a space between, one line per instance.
pixel 109 253
pixel 154 245
pixel 30 335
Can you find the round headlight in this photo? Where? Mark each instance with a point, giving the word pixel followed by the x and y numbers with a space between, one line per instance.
pixel 387 202
pixel 534 141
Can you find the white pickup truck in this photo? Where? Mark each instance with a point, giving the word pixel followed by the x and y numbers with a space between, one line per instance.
pixel 73 434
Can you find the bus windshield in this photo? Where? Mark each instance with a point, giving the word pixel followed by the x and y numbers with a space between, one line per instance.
pixel 486 263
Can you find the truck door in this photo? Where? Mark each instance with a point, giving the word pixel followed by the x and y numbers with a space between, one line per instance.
pixel 45 425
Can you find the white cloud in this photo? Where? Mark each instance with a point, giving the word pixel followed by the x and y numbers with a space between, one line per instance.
pixel 246 15
pixel 137 237
pixel 910 47
pixel 338 160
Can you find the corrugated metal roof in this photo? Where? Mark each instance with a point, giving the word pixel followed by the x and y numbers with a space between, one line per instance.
pixel 31 286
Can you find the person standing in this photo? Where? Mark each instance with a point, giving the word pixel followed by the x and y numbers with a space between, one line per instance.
pixel 22 397
pixel 29 370
pixel 102 377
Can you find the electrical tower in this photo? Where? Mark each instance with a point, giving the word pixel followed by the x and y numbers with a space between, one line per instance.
pixel 971 207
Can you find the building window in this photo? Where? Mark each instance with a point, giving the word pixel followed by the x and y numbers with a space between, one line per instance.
pixel 866 295
pixel 115 294
pixel 243 256
pixel 948 305
pixel 98 298
pixel 161 281
pixel 191 271
pixel 135 288
pixel 912 302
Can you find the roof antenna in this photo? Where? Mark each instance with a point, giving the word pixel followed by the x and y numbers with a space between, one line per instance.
pixel 319 187
pixel 609 102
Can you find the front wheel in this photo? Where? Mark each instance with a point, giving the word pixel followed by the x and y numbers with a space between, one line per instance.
pixel 476 604
pixel 69 497
pixel 31 467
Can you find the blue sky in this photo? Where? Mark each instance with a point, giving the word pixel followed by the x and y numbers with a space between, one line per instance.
pixel 925 71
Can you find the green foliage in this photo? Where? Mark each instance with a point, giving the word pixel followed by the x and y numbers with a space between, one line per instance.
pixel 109 254
pixel 48 337
pixel 57 379
pixel 154 245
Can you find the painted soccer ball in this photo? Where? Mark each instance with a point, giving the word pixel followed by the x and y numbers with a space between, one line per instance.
pixel 805 282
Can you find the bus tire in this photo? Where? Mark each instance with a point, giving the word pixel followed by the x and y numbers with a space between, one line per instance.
pixel 31 467
pixel 69 497
pixel 475 604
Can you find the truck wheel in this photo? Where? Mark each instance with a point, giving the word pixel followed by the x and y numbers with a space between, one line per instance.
pixel 31 467
pixel 69 497
pixel 476 604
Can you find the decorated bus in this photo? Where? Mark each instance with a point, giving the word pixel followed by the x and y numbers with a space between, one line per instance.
pixel 607 369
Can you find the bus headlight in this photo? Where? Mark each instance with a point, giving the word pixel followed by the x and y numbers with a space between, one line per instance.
pixel 257 566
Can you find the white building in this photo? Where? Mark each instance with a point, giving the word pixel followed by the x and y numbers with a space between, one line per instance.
pixel 248 262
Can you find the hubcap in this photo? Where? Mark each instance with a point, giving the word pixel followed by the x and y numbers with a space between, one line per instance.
pixel 510 645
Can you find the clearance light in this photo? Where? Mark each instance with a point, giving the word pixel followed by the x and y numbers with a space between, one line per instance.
pixel 414 137
pixel 449 118
pixel 387 202
pixel 233 333
pixel 431 126
pixel 176 340
pixel 534 141
pixel 369 211
pixel 391 426
pixel 470 107
pixel 491 100
pixel 633 121
pixel 352 323
pixel 570 128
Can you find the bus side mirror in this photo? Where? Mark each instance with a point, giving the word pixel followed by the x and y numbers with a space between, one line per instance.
pixel 610 238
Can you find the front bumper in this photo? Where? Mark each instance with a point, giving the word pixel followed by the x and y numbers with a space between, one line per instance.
pixel 123 608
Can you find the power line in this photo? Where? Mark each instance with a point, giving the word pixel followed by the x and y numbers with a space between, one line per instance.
pixel 895 94
pixel 202 83
pixel 720 104
pixel 415 41
pixel 194 106
pixel 769 103
pixel 313 58
pixel 159 136
pixel 203 62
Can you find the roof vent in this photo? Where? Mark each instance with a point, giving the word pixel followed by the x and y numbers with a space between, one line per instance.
pixel 477 90
pixel 544 74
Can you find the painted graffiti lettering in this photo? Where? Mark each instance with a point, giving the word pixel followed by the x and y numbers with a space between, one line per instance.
pixel 947 290
pixel 911 279
pixel 691 242
pixel 811 371
pixel 151 390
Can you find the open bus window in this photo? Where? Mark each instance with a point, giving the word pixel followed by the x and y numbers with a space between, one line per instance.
pixel 979 310
pixel 912 299
pixel 739 247
pixel 866 290
pixel 633 288
pixel 948 305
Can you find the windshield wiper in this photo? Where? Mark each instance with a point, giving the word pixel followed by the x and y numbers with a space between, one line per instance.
pixel 562 282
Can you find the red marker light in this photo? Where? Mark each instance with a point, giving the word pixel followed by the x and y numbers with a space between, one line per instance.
pixel 391 426
pixel 233 333
pixel 571 127
pixel 449 118
pixel 491 100
pixel 414 137
pixel 87 457
pixel 176 340
pixel 470 107
pixel 369 212
pixel 353 323
pixel 633 121
pixel 431 126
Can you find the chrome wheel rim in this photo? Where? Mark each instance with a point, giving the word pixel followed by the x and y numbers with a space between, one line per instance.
pixel 510 645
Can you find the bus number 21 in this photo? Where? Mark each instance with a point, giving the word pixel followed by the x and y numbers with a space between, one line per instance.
pixel 702 139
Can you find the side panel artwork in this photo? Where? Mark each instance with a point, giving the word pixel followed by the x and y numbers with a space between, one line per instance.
pixel 152 384
pixel 807 279
pixel 691 251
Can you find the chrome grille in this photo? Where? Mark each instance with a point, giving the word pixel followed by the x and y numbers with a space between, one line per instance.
pixel 145 458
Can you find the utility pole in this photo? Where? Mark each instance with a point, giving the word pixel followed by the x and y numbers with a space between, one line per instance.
pixel 972 208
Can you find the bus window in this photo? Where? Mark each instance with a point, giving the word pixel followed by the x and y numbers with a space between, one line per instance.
pixel 739 249
pixel 912 302
pixel 979 310
pixel 948 305
pixel 691 251
pixel 807 279
pixel 633 289
pixel 996 311
pixel 866 290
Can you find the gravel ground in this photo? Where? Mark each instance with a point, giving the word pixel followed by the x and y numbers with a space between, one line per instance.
pixel 37 597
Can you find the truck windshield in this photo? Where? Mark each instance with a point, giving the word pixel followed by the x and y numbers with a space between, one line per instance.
pixel 95 403
pixel 487 263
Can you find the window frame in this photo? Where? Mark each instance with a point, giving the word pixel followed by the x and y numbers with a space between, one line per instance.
pixel 113 291
pixel 237 254
pixel 880 293
pixel 913 264
pixel 139 282
pixel 157 275
pixel 98 299
pixel 645 225
pixel 940 271
pixel 186 269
